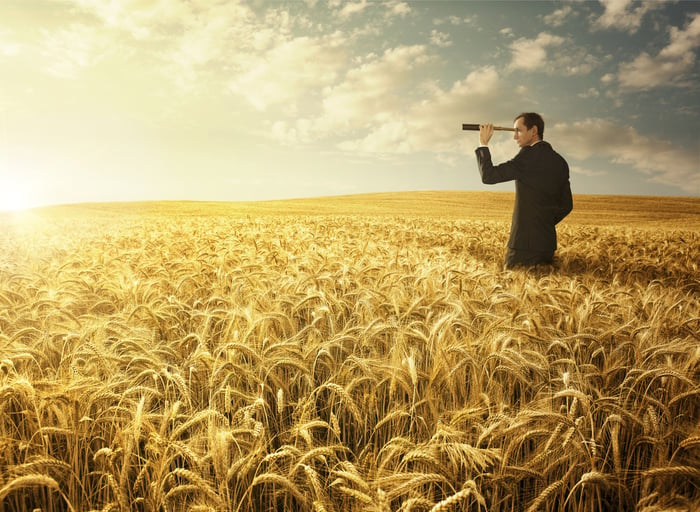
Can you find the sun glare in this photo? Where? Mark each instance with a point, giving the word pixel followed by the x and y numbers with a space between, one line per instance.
pixel 13 199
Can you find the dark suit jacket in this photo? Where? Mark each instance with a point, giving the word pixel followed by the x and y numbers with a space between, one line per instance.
pixel 542 194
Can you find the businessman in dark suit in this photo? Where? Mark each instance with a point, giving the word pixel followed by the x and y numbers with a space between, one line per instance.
pixel 542 190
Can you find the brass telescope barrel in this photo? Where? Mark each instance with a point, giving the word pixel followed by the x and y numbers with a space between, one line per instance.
pixel 475 127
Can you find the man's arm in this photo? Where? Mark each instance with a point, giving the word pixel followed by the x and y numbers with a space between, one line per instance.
pixel 491 174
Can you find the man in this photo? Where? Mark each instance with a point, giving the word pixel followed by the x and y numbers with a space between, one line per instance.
pixel 542 190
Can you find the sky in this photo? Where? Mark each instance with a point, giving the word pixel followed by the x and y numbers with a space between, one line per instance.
pixel 129 100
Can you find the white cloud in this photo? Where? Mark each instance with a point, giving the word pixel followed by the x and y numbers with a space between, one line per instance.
pixel 351 8
pixel 398 8
pixel 440 39
pixel 181 35
pixel 625 15
pixel 584 171
pixel 433 123
pixel 366 98
pixel 659 160
pixel 229 45
pixel 558 17
pixel 572 62
pixel 477 82
pixel 455 20
pixel 683 41
pixel 302 131
pixel 70 50
pixel 607 78
pixel 208 36
pixel 372 112
pixel 390 136
pixel 289 70
pixel 591 92
pixel 375 87
pixel 531 54
pixel 669 67
pixel 646 72
pixel 506 32
pixel 141 18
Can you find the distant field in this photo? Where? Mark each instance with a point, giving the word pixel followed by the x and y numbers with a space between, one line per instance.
pixel 358 353
pixel 633 211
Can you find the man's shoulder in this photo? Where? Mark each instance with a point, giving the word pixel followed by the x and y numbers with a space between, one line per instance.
pixel 544 147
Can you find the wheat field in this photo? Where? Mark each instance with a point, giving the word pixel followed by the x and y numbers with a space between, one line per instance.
pixel 349 354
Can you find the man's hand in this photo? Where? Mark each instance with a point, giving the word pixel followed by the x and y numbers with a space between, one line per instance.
pixel 485 133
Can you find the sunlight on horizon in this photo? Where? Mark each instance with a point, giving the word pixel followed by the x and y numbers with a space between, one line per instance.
pixel 14 197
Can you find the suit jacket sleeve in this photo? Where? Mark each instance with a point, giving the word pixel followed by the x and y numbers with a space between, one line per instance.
pixel 491 174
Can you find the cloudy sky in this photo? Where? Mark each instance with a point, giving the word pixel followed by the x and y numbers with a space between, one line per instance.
pixel 104 100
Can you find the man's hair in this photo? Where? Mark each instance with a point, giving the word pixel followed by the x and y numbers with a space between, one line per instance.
pixel 531 119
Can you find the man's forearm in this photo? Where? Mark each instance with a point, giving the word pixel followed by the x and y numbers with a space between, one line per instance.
pixel 483 161
pixel 492 174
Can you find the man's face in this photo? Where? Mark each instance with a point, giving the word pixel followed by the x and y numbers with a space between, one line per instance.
pixel 522 135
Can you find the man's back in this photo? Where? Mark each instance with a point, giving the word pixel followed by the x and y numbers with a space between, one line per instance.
pixel 542 194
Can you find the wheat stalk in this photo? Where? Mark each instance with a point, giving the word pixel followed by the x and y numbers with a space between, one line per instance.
pixel 469 489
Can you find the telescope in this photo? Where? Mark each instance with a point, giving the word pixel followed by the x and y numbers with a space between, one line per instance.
pixel 475 127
